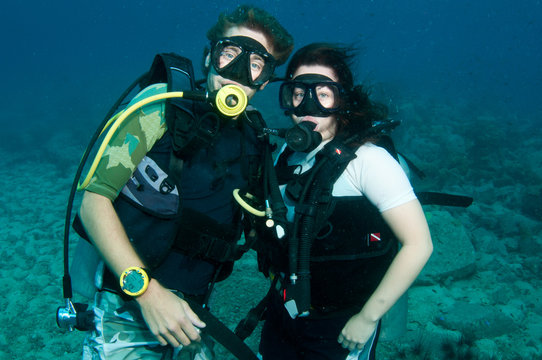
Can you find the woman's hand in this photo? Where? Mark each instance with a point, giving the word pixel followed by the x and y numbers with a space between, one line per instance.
pixel 168 316
pixel 356 332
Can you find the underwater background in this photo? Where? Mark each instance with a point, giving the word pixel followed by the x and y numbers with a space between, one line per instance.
pixel 464 77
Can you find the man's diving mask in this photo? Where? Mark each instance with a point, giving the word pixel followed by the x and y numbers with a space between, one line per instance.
pixel 311 94
pixel 242 59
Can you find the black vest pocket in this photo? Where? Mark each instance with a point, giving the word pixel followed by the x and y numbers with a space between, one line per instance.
pixel 355 230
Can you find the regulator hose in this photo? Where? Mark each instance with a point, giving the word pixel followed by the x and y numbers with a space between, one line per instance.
pixel 230 100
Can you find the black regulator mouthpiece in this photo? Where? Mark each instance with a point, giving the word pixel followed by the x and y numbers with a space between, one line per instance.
pixel 302 137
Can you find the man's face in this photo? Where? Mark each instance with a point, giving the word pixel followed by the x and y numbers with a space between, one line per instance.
pixel 216 81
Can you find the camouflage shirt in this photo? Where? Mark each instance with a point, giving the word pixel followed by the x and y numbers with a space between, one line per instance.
pixel 131 142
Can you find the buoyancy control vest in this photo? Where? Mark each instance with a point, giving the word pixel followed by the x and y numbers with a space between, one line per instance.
pixel 338 250
pixel 218 155
pixel 208 226
pixel 346 245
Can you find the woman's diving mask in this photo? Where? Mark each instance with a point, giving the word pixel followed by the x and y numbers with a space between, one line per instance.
pixel 311 94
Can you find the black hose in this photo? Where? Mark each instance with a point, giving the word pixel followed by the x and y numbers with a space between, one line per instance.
pixel 277 202
pixel 294 240
pixel 267 166
pixel 66 280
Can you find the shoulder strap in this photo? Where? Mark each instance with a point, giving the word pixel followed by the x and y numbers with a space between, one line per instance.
pixel 385 141
pixel 285 172
pixel 175 70
pixel 329 164
pixel 178 72
pixel 191 124
pixel 251 165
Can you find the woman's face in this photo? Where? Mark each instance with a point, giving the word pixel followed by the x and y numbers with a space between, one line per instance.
pixel 326 126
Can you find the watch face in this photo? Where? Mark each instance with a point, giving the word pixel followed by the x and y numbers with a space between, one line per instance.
pixel 133 281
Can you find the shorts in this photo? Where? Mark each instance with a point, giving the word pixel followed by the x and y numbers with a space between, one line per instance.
pixel 121 334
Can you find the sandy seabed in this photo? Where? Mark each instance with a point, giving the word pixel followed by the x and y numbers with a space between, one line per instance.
pixel 504 226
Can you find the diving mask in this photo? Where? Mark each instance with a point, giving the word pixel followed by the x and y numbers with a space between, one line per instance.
pixel 311 94
pixel 242 59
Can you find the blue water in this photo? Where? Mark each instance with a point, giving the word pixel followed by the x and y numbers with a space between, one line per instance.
pixel 63 59
pixel 465 76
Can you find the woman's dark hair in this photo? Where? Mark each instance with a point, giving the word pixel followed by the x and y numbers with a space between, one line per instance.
pixel 358 111
pixel 254 18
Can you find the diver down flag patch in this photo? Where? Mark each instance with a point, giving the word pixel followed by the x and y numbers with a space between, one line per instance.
pixel 374 237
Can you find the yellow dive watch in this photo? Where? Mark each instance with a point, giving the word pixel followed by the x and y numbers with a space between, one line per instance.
pixel 134 281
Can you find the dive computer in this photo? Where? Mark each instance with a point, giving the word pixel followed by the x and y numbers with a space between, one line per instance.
pixel 134 281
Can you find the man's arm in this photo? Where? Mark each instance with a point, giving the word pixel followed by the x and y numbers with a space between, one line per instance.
pixel 169 317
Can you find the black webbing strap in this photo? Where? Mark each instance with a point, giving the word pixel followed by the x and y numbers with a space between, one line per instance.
pixel 246 326
pixel 436 198
pixel 220 332
pixel 200 235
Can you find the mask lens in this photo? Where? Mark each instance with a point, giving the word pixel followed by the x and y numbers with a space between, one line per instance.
pixel 327 95
pixel 257 66
pixel 298 94
pixel 292 94
pixel 225 54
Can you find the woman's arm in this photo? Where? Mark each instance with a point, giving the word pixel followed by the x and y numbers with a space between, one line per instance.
pixel 409 225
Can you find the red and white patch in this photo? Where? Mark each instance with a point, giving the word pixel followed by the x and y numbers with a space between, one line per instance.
pixel 374 237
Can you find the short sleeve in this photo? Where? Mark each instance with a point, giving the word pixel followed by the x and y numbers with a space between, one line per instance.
pixel 130 143
pixel 378 176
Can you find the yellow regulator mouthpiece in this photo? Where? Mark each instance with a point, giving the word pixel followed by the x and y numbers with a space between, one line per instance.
pixel 231 100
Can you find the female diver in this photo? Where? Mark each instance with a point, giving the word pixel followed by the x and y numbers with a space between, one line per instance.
pixel 356 269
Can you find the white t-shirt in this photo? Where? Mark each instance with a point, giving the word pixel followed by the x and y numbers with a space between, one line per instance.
pixel 374 173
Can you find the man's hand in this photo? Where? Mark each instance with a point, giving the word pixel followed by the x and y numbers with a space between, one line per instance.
pixel 169 317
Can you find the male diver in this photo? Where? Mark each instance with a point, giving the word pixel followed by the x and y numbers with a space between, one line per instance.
pixel 157 251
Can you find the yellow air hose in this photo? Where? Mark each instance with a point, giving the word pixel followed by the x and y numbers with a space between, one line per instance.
pixel 245 205
pixel 230 100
